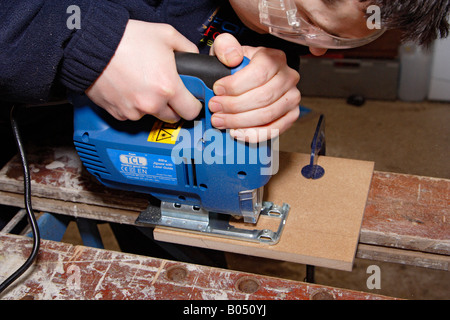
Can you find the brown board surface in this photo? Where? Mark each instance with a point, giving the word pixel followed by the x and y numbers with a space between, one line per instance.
pixel 324 221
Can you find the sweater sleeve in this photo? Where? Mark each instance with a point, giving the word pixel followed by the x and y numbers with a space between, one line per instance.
pixel 91 48
pixel 38 50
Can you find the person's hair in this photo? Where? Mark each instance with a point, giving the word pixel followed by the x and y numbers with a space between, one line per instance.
pixel 421 21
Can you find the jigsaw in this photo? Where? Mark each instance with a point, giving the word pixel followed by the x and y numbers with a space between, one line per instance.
pixel 197 178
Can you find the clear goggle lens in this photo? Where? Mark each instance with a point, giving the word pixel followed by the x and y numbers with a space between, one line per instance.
pixel 284 21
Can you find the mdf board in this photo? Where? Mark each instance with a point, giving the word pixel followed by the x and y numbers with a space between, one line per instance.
pixel 324 221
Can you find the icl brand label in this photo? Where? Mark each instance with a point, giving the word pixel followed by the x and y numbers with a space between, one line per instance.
pixel 144 166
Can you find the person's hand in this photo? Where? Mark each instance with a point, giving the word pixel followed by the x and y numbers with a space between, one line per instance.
pixel 141 77
pixel 258 102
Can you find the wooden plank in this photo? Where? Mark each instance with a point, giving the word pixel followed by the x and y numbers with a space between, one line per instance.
pixel 64 271
pixel 410 212
pixel 57 173
pixel 73 209
pixel 402 256
pixel 14 221
pixel 402 211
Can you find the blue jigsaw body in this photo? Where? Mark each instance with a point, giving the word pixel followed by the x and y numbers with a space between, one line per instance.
pixel 121 155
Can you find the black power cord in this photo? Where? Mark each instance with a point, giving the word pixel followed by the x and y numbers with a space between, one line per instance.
pixel 27 199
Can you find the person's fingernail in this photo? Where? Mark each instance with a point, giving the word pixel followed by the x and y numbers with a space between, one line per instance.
pixel 232 55
pixel 219 90
pixel 217 122
pixel 172 120
pixel 215 106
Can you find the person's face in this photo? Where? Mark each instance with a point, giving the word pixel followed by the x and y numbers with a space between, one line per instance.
pixel 344 18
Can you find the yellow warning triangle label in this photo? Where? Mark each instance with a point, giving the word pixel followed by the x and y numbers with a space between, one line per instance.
pixel 163 132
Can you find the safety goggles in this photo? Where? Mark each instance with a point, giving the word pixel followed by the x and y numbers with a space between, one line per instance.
pixel 284 21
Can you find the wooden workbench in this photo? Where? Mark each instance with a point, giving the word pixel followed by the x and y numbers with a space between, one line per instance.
pixel 64 271
pixel 406 219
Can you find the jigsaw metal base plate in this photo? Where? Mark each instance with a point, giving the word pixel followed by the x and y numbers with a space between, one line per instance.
pixel 195 219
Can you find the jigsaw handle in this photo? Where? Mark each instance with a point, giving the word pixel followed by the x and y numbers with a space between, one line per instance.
pixel 207 68
pixel 199 72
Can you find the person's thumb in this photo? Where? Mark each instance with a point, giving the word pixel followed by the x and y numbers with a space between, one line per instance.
pixel 228 50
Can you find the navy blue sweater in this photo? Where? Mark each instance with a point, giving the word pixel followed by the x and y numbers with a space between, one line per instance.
pixel 40 56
